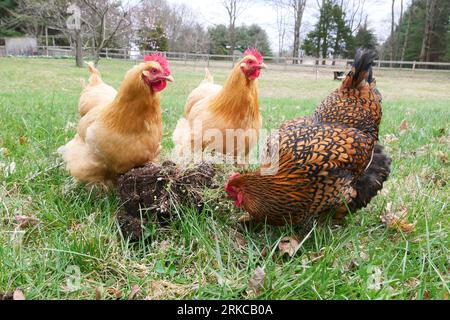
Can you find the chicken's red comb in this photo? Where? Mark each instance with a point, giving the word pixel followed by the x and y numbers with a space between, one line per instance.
pixel 254 53
pixel 161 59
pixel 234 175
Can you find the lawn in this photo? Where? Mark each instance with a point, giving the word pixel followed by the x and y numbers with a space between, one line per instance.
pixel 74 248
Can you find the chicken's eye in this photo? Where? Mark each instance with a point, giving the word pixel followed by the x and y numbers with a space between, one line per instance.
pixel 250 61
pixel 154 71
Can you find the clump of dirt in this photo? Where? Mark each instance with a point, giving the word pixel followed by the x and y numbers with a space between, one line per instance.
pixel 155 189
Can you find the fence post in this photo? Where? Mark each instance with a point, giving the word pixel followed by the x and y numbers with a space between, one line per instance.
pixel 285 63
pixel 414 65
pixel 185 58
pixel 379 65
pixel 106 49
pixel 207 60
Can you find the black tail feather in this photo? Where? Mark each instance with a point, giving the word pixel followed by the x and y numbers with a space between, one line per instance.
pixel 362 66
pixel 372 181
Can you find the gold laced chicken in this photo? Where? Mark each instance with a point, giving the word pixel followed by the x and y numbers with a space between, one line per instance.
pixel 327 163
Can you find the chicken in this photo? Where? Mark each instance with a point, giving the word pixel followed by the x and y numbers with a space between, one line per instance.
pixel 327 163
pixel 357 102
pixel 96 93
pixel 213 111
pixel 115 137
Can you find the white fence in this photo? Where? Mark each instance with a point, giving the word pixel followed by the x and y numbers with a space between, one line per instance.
pixel 281 63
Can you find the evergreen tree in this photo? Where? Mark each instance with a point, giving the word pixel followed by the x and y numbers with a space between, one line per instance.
pixel 364 38
pixel 331 35
pixel 246 37
pixel 154 39
pixel 7 28
pixel 411 32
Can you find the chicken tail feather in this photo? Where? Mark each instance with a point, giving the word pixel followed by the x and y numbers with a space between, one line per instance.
pixel 182 139
pixel 208 76
pixel 95 77
pixel 361 69
pixel 372 180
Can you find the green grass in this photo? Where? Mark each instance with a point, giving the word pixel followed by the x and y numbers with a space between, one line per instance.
pixel 198 256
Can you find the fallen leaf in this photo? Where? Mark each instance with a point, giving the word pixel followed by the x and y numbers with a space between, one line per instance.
pixel 242 244
pixel 98 293
pixel 351 265
pixel 25 221
pixel 4 151
pixel 18 295
pixel 162 289
pixel 164 245
pixel 426 295
pixel 133 292
pixel 442 156
pixel 403 126
pixel 115 293
pixel 289 245
pixel 363 255
pixel 397 219
pixel 23 140
pixel 390 138
pixel 256 282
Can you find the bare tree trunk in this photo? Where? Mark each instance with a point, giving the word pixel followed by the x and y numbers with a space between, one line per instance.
pixel 392 33
pixel 78 49
pixel 234 9
pixel 299 8
pixel 408 30
pixel 429 21
pixel 400 21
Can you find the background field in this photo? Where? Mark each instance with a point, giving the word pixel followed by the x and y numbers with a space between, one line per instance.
pixel 210 255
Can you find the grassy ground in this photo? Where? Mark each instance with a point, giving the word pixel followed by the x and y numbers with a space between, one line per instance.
pixel 211 255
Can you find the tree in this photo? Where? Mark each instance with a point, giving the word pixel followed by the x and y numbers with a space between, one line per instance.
pixel 299 7
pixel 331 35
pixel 234 9
pixel 246 37
pixel 104 19
pixel 253 36
pixel 281 10
pixel 392 39
pixel 364 38
pixel 419 37
pixel 8 25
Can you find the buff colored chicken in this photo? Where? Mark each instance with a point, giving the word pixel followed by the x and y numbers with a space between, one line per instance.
pixel 114 137
pixel 212 110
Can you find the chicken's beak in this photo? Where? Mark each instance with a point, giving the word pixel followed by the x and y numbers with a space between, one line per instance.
pixel 169 78
pixel 263 66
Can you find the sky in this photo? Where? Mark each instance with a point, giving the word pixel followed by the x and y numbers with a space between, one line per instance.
pixel 211 12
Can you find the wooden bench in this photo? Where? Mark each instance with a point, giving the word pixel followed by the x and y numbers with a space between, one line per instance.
pixel 338 75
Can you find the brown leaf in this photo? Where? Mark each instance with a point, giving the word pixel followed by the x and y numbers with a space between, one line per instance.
pixel 442 156
pixel 18 295
pixel 242 244
pixel 426 295
pixel 98 293
pixel 256 282
pixel 289 245
pixel 25 221
pixel 403 126
pixel 397 220
pixel 133 292
pixel 23 140
pixel 164 245
pixel 115 293
pixel 390 138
